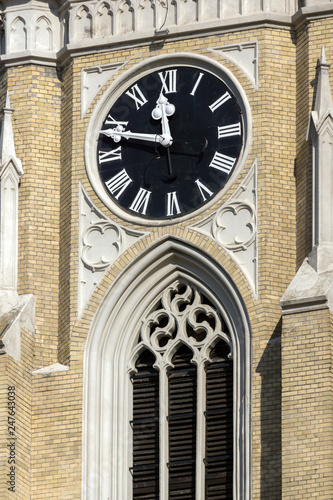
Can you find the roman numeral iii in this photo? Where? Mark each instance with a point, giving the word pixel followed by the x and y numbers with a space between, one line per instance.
pixel 222 162
pixel 229 130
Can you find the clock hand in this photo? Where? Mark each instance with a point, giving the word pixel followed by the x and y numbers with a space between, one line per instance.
pixel 119 133
pixel 161 112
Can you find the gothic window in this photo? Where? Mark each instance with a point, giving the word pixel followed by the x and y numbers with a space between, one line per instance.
pixel 181 373
pixel 167 383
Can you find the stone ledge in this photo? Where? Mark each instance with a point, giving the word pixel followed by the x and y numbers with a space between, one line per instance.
pixel 48 370
pixel 308 291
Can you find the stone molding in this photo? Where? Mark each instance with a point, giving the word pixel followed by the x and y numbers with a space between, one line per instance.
pixel 22 315
pixel 245 56
pixel 312 287
pixel 320 131
pixel 93 79
pixel 101 242
pixel 42 32
pixel 11 172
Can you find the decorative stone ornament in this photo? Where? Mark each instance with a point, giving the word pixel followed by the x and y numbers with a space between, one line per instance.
pixel 102 241
pixel 177 284
pixel 167 138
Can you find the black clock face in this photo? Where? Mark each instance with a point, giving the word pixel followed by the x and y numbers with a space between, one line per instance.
pixel 170 142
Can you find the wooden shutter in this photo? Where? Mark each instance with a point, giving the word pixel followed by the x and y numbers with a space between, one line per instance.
pixel 145 426
pixel 219 425
pixel 182 425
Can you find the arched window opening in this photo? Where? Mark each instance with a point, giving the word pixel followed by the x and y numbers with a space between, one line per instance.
pixel 182 399
pixel 173 325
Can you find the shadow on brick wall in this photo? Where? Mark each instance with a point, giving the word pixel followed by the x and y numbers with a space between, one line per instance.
pixel 269 368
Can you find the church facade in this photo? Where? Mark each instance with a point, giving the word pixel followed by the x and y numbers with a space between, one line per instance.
pixel 166 250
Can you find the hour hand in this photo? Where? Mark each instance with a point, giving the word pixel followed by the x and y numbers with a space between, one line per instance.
pixel 161 112
pixel 119 133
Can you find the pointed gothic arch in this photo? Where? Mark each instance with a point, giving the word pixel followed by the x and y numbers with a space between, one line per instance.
pixel 111 347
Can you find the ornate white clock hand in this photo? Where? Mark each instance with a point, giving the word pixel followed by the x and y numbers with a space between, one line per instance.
pixel 119 133
pixel 162 111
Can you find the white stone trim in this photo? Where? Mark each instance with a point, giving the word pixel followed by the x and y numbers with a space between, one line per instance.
pixel 106 394
pixel 124 81
pixel 245 56
pixel 11 172
pixel 101 242
pixel 93 79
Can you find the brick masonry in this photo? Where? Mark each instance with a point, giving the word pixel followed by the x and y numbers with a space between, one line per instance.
pixel 291 383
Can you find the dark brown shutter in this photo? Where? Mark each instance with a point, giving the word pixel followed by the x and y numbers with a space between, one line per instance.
pixel 219 425
pixel 145 426
pixel 182 425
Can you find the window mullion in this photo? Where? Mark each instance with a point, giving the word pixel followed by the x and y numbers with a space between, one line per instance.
pixel 200 451
pixel 164 435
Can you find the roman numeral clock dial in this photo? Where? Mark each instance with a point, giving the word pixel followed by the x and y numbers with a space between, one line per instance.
pixel 169 143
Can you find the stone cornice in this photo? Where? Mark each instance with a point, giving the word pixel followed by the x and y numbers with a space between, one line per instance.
pixel 305 14
pixel 150 37
pixel 76 46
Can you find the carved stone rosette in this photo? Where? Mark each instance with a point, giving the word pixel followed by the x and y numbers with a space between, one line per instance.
pixel 234 225
pixel 112 232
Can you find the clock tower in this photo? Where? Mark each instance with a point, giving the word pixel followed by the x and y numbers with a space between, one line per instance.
pixel 166 250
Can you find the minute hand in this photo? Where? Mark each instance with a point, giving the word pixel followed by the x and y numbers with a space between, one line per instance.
pixel 116 134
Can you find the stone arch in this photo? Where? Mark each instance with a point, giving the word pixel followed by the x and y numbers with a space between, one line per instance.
pixel 18 35
pixel 43 34
pixel 107 392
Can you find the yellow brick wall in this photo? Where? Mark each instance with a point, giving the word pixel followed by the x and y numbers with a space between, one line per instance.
pixel 307 406
pixel 16 419
pixel 35 96
pixel 49 235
